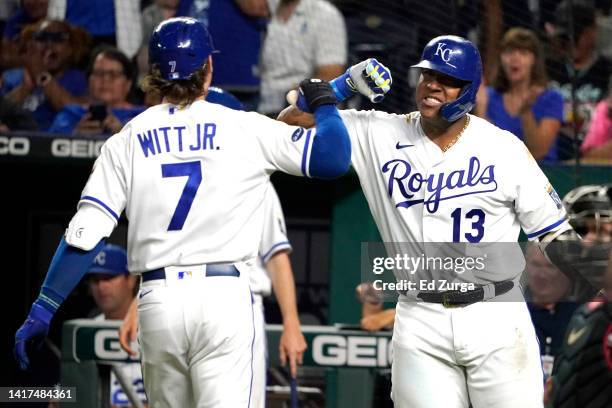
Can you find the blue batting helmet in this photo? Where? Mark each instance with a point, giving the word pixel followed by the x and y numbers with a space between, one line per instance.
pixel 179 47
pixel 111 260
pixel 458 58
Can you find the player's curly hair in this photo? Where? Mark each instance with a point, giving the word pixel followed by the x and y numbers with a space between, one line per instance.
pixel 180 92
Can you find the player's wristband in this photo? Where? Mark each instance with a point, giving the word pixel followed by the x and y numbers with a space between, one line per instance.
pixel 49 300
pixel 343 87
pixel 40 313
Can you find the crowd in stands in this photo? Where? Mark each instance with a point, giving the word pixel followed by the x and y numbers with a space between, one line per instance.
pixel 73 67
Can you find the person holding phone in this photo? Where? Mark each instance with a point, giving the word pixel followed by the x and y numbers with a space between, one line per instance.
pixel 110 80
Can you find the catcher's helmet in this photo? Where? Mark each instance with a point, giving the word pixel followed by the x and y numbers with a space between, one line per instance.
pixel 459 58
pixel 179 47
pixel 589 201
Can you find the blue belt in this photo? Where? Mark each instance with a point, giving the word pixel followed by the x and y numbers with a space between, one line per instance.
pixel 211 270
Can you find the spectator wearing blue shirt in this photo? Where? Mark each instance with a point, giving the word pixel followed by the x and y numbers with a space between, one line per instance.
pixel 518 100
pixel 47 82
pixel 237 27
pixel 110 81
pixel 110 22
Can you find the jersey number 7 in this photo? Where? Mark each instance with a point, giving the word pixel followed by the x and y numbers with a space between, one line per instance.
pixel 192 170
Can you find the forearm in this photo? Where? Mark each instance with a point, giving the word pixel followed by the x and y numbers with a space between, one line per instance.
pixel 58 96
pixel 283 284
pixel 329 72
pixel 602 152
pixel 18 94
pixel 369 309
pixel 67 267
pixel 566 251
pixel 331 149
pixel 536 145
pixel 387 317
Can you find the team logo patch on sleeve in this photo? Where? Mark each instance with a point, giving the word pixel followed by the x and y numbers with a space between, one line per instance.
pixel 297 135
pixel 555 197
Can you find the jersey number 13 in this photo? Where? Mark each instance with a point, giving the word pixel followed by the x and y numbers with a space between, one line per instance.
pixel 477 216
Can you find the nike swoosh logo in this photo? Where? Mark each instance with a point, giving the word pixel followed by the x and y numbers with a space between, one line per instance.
pixel 574 335
pixel 143 293
pixel 399 146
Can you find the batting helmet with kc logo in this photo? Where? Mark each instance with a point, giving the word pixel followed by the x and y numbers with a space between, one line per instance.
pixel 458 58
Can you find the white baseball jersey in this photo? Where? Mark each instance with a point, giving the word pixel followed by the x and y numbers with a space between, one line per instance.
pixel 483 189
pixel 273 239
pixel 192 181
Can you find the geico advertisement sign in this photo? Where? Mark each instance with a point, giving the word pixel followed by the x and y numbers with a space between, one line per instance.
pixel 83 149
pixel 14 146
pixel 353 351
pixel 107 347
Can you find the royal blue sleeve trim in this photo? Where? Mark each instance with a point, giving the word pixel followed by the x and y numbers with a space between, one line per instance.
pixel 331 148
pixel 275 248
pixel 306 154
pixel 543 230
pixel 106 207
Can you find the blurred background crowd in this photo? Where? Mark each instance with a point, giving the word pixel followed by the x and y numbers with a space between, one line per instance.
pixel 72 67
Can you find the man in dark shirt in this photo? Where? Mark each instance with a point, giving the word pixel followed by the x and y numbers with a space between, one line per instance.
pixel 548 306
pixel 578 62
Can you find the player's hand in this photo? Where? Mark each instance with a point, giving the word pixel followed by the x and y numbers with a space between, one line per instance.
pixel 371 79
pixel 292 346
pixel 32 331
pixel 129 328
pixel 313 93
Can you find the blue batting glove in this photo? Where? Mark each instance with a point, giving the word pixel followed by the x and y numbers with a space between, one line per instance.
pixel 377 78
pixel 369 78
pixel 34 329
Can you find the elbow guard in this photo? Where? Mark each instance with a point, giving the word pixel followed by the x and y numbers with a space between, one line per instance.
pixel 88 227
pixel 584 264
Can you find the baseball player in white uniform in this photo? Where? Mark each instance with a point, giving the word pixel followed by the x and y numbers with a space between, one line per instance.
pixel 443 175
pixel 191 177
pixel 271 269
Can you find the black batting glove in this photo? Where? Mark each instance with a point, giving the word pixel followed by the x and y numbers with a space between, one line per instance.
pixel 317 92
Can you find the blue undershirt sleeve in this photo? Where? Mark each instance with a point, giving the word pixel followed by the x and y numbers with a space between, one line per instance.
pixel 331 148
pixel 67 267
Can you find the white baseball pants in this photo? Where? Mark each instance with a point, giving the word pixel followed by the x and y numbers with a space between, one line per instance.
pixel 196 338
pixel 485 354
pixel 260 355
